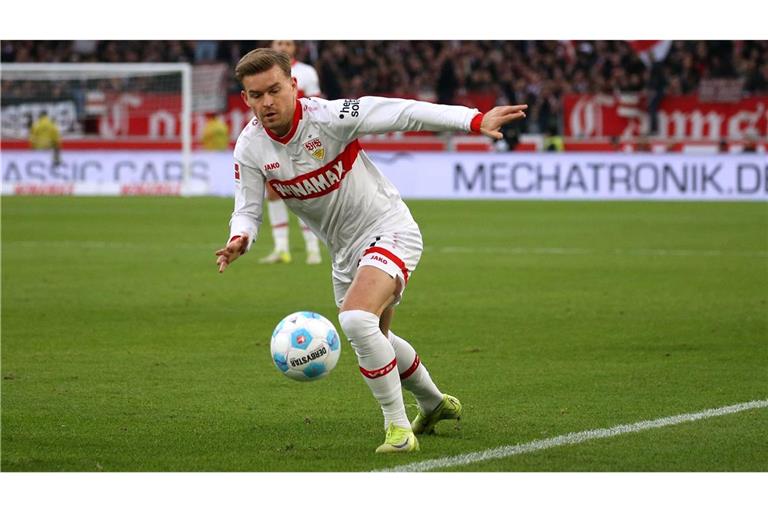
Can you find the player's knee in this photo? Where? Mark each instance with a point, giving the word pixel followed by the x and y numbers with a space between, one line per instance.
pixel 358 324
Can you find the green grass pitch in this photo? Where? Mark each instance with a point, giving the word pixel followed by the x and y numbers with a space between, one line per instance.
pixel 124 350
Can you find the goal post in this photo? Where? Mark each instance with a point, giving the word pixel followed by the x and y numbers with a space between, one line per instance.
pixel 104 106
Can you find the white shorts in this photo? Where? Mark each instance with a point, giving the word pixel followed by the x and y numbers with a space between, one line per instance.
pixel 395 252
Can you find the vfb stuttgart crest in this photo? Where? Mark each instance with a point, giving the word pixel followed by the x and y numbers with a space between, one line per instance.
pixel 315 148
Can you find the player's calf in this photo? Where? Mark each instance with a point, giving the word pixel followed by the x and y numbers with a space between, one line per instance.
pixel 378 364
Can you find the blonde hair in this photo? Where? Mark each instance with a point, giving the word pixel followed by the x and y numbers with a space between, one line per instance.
pixel 260 60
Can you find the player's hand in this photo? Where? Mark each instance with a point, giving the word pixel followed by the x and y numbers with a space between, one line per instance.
pixel 498 117
pixel 231 252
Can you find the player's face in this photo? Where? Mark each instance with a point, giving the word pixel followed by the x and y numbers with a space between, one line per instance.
pixel 271 96
pixel 288 47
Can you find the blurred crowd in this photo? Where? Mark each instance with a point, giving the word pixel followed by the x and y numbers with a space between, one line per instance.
pixel 535 72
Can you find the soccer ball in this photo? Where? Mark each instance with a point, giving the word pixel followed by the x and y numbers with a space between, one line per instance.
pixel 305 346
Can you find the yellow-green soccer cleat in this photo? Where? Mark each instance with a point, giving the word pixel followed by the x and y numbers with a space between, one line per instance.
pixel 449 409
pixel 399 439
pixel 277 257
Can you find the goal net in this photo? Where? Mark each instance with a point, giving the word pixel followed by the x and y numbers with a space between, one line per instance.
pixel 107 110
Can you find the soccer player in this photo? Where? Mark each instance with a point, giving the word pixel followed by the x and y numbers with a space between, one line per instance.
pixel 308 84
pixel 308 150
pixel 44 134
pixel 215 134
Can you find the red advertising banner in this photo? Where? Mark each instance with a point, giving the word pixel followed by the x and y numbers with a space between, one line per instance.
pixel 682 117
pixel 150 115
pixel 157 116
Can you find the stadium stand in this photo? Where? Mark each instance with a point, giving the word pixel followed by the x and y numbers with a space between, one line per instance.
pixel 563 82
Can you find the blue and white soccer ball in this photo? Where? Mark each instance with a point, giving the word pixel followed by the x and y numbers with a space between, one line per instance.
pixel 305 346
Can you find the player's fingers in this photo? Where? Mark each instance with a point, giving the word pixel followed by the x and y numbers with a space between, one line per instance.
pixel 502 119
pixel 514 116
pixel 222 265
pixel 493 133
pixel 515 108
pixel 508 118
pixel 510 109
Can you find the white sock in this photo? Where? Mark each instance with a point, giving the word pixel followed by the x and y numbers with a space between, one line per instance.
pixel 414 376
pixel 377 363
pixel 309 238
pixel 278 217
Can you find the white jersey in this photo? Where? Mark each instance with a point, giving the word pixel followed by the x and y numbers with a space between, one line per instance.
pixel 319 169
pixel 306 79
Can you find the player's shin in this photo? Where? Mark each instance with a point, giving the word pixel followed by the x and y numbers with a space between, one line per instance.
pixel 312 244
pixel 309 238
pixel 278 217
pixel 378 364
pixel 414 376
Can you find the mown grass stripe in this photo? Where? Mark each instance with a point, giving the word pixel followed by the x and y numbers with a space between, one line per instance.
pixel 574 438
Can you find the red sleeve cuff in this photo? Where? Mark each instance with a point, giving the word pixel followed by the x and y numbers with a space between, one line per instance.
pixel 474 126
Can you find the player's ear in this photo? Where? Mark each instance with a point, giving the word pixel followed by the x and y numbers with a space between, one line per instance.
pixel 294 83
pixel 245 98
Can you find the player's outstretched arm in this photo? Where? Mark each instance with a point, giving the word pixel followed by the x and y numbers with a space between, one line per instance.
pixel 231 252
pixel 372 115
pixel 497 117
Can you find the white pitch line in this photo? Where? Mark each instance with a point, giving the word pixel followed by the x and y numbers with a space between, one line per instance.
pixel 573 438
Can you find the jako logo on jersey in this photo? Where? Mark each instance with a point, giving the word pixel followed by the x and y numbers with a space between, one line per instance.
pixel 272 166
pixel 315 148
pixel 321 181
pixel 379 258
pixel 350 107
pixel 237 171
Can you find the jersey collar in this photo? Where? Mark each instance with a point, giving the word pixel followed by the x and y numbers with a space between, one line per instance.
pixel 294 125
